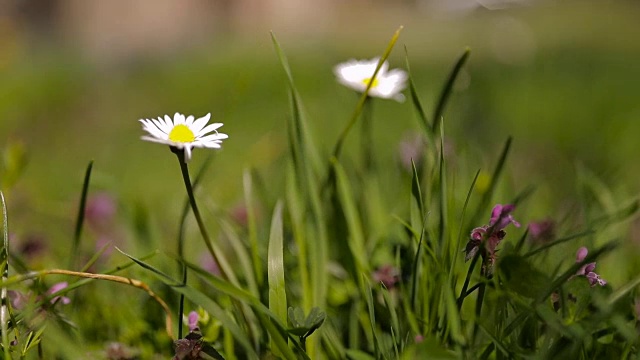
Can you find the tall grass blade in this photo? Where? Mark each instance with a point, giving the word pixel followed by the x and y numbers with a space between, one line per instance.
pixel 80 218
pixel 354 224
pixel 251 225
pixel 457 251
pixel 446 91
pixel 4 308
pixel 488 195
pixel 275 260
pixel 415 100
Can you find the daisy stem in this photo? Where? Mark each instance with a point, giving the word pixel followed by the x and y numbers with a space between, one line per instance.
pixel 367 135
pixel 192 200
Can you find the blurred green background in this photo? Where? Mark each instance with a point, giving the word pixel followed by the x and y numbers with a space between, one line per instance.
pixel 561 77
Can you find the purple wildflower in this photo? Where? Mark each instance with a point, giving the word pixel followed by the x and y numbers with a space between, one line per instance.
pixel 501 216
pixel 387 275
pixel 491 235
pixel 56 288
pixel 100 211
pixel 543 230
pixel 411 148
pixel 192 321
pixel 587 270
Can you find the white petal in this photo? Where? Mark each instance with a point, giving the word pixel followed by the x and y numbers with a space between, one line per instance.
pixel 187 153
pixel 200 123
pixel 212 137
pixel 209 128
pixel 212 145
pixel 168 121
pixel 155 140
pixel 178 119
pixel 161 125
pixel 155 132
pixel 189 121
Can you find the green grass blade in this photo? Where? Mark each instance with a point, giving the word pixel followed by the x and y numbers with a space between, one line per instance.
pixel 244 259
pixel 80 218
pixel 457 251
pixel 446 90
pixel 415 99
pixel 488 195
pixel 416 191
pixel 354 224
pixel 252 227
pixel 202 300
pixel 275 261
pixel 442 223
pixel 4 309
pixel 372 322
pixel 558 242
pixel 296 214
pixel 337 149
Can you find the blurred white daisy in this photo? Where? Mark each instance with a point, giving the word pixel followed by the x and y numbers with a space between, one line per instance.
pixel 184 133
pixel 357 75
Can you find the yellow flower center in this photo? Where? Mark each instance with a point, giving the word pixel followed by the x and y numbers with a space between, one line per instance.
pixel 368 80
pixel 181 133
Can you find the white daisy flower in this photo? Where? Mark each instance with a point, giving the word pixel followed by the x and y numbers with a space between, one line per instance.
pixel 357 75
pixel 183 133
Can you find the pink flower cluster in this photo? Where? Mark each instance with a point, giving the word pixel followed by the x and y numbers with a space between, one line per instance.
pixel 587 270
pixel 490 235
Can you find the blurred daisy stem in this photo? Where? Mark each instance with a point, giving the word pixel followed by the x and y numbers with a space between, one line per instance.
pixel 192 200
pixel 367 135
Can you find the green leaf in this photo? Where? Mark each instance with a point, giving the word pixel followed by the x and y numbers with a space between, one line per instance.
pixel 521 277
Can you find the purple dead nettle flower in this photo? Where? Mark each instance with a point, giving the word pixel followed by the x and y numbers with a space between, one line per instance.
pixel 387 275
pixel 100 211
pixel 542 231
pixel 491 235
pixel 56 288
pixel 587 270
pixel 411 148
pixel 192 321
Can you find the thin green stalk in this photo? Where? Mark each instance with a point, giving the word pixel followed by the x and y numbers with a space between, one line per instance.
pixel 356 114
pixel 4 309
pixel 194 207
pixel 465 286
pixel 181 266
pixel 367 135
pixel 80 219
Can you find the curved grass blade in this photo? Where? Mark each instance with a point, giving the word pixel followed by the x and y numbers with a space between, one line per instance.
pixel 354 224
pixel 80 218
pixel 442 223
pixel 464 212
pixel 337 149
pixel 424 121
pixel 4 309
pixel 486 197
pixel 203 300
pixel 247 183
pixel 275 260
pixel 558 242
pixel 446 91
